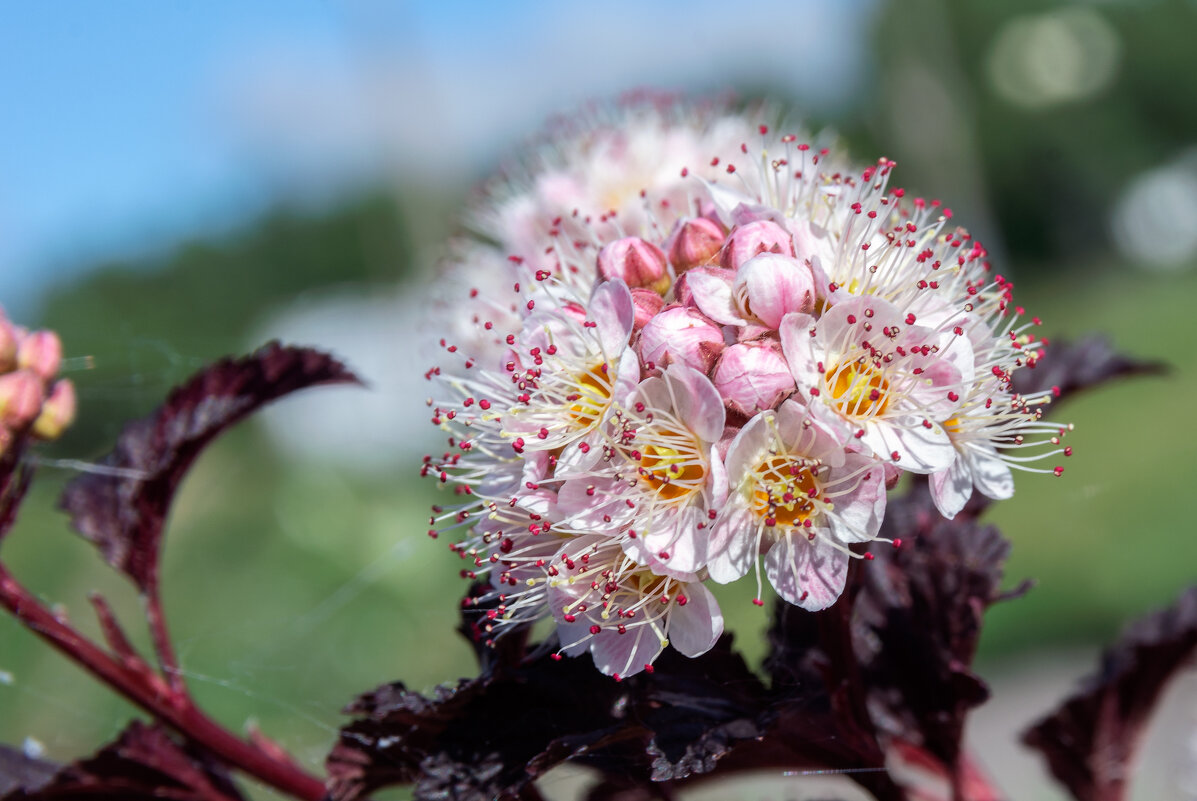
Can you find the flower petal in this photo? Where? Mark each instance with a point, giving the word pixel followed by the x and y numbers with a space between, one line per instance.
pixel 807 574
pixel 696 625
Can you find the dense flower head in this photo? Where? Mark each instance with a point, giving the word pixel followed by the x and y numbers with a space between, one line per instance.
pixel 697 374
pixel 34 401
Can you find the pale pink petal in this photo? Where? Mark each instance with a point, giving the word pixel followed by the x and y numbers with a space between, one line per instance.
pixel 696 401
pixel 808 574
pixel 857 515
pixel 627 653
pixel 614 314
pixel 991 475
pixel 695 625
pixel 917 448
pixel 951 488
pixel 712 294
pixel 798 346
pixel 587 504
pixel 733 546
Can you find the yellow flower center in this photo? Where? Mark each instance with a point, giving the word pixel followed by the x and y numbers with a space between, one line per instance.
pixel 593 396
pixel 858 389
pixel 673 466
pixel 783 491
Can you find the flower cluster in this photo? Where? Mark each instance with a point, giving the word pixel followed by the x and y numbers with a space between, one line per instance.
pixel 33 400
pixel 724 381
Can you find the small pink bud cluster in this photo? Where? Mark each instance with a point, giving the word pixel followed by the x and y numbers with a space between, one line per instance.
pixel 732 397
pixel 33 400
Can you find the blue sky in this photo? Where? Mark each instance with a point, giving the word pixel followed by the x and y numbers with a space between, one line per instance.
pixel 127 125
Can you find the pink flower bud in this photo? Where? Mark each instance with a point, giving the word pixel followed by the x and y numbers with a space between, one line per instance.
pixel 8 346
pixel 21 395
pixel 41 351
pixel 646 304
pixel 753 376
pixel 754 238
pixel 681 334
pixel 682 291
pixel 769 286
pixel 694 243
pixel 58 412
pixel 637 262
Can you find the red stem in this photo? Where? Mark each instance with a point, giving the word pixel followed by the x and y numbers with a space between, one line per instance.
pixel 167 705
pixel 161 638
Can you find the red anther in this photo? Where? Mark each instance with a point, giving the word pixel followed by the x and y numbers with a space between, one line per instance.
pixel 682 600
pixel 953 397
pixel 1055 392
pixel 1059 471
pixel 758 602
pixel 556 657
pixel 648 668
pixel 484 404
pixel 1068 451
pixel 896 456
pixel 897 542
pixel 910 318
pixel 868 557
pixel 570 618
pixel 595 629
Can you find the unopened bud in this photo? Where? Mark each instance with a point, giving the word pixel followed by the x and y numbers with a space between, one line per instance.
pixel 754 238
pixel 769 286
pixel 681 334
pixel 637 262
pixel 694 243
pixel 753 377
pixel 21 395
pixel 58 412
pixel 646 304
pixel 41 351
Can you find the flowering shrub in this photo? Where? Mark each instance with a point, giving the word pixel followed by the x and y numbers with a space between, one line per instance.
pixel 720 376
pixel 678 374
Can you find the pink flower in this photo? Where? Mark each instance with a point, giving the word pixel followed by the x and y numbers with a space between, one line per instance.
pixel 798 495
pixel 625 613
pixel 655 486
pixel 861 368
pixel 764 289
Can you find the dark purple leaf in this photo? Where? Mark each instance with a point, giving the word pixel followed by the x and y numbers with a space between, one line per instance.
pixel 527 712
pixel 1073 366
pixel 1089 741
pixel 918 621
pixel 21 772
pixel 123 513
pixel 698 709
pixel 143 763
pixel 485 738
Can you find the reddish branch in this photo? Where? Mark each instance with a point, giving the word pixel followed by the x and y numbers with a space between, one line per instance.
pixel 166 698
